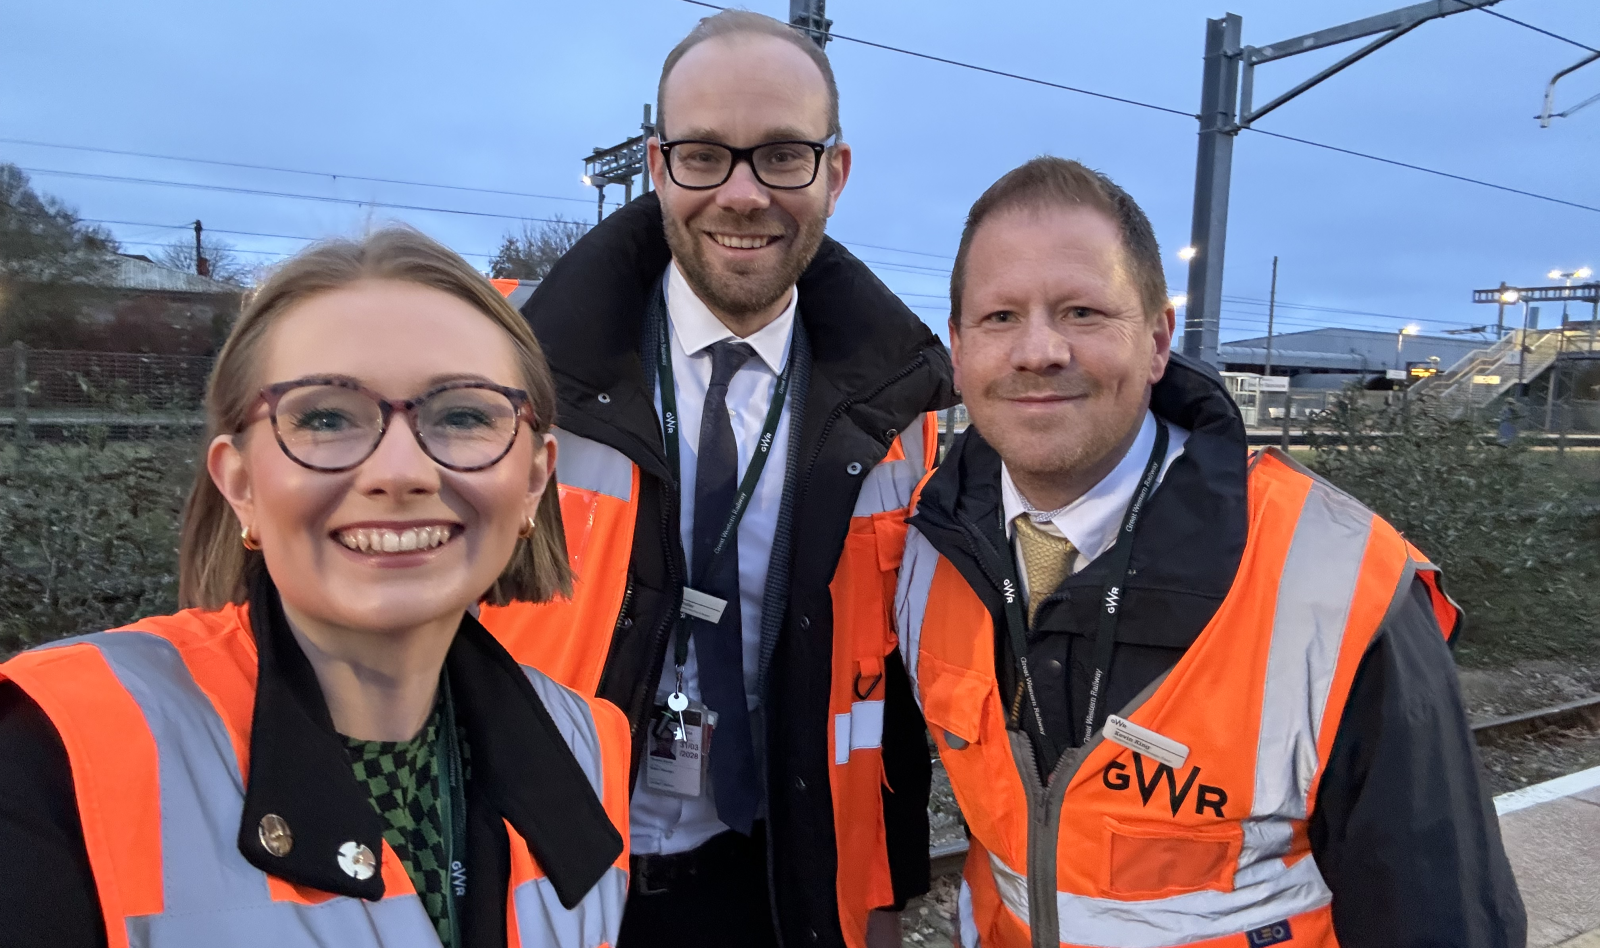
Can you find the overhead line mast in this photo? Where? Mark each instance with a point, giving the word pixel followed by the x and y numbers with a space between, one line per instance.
pixel 1226 108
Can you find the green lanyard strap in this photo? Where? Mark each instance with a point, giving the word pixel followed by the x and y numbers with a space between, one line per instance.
pixel 452 810
pixel 747 484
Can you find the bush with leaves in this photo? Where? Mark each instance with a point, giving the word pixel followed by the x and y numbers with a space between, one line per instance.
pixel 1515 533
pixel 88 536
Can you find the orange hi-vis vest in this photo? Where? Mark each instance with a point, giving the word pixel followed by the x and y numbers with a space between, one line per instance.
pixel 1119 850
pixel 599 490
pixel 156 720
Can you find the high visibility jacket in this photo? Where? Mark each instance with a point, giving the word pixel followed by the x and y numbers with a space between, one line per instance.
pixel 156 721
pixel 1116 849
pixel 599 502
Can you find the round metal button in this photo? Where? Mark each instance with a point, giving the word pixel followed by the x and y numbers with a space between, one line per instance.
pixel 853 468
pixel 275 836
pixel 805 623
pixel 953 742
pixel 357 861
pixel 603 398
pixel 1053 666
pixel 892 433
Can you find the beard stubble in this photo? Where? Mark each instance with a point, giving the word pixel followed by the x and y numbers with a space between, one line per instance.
pixel 743 294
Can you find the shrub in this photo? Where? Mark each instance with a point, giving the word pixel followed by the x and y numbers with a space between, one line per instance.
pixel 90 536
pixel 1514 532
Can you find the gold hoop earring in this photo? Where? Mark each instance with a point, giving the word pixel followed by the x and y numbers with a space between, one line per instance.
pixel 250 543
pixel 527 529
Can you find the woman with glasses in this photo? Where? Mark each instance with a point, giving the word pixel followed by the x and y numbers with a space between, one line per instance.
pixel 325 747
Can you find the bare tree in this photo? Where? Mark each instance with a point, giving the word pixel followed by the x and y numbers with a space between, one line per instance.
pixel 52 265
pixel 225 264
pixel 529 255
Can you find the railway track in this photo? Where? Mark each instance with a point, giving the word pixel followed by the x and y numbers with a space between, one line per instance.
pixel 948 857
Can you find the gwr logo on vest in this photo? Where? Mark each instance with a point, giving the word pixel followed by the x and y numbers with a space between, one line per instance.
pixel 1207 797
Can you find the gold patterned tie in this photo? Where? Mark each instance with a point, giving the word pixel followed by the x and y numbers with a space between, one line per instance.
pixel 1045 556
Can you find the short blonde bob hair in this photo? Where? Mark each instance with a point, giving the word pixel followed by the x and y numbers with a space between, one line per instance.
pixel 214 568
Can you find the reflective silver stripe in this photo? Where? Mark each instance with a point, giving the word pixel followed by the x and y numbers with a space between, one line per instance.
pixel 888 486
pixel 590 465
pixel 1178 919
pixel 1314 596
pixel 911 599
pixel 859 729
pixel 592 922
pixel 211 895
pixel 575 722
pixel 968 924
pixel 597 918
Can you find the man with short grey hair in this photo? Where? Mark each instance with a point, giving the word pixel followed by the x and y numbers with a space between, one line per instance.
pixel 1185 693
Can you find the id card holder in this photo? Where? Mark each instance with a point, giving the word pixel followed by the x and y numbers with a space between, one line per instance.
pixel 678 767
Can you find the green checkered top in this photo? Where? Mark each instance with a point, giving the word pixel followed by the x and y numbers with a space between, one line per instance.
pixel 403 780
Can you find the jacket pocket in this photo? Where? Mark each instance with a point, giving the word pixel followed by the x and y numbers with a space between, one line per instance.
pixel 1153 860
pixel 953 700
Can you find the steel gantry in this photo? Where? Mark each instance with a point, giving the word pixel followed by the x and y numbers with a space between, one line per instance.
pixel 1227 106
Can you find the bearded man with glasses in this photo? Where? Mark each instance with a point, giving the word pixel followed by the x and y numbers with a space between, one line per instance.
pixel 744 412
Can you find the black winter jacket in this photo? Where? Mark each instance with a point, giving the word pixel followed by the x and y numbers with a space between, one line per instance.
pixel 874 369
pixel 1404 831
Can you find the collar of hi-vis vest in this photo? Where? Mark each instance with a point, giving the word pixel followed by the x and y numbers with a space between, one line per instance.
pixel 590 316
pixel 1188 546
pixel 299 769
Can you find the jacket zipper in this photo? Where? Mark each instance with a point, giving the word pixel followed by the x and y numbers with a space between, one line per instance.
pixel 844 406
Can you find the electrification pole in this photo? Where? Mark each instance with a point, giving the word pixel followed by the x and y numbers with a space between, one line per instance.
pixel 1226 107
pixel 1272 305
pixel 202 266
pixel 811 16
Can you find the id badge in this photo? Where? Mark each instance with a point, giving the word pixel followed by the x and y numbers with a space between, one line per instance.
pixel 678 766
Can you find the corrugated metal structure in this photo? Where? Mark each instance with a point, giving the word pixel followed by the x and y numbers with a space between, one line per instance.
pixel 140 273
pixel 1333 358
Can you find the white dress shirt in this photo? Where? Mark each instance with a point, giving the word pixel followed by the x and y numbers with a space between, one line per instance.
pixel 1091 522
pixel 660 823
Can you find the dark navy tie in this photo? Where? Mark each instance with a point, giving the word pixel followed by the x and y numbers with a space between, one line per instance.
pixel 720 646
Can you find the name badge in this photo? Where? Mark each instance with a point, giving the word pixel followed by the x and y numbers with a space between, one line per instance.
pixel 679 751
pixel 699 605
pixel 1120 730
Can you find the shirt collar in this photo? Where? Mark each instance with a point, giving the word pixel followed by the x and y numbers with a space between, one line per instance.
pixel 696 327
pixel 1090 523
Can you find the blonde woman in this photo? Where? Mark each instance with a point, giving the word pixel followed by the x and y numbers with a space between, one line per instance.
pixel 326 748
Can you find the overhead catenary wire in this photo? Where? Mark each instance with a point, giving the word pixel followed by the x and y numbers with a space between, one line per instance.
pixel 1161 108
pixel 993 72
pixel 300 171
pixel 1530 26
pixel 261 192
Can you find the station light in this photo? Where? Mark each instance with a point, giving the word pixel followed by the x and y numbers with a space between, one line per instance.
pixel 1554 275
pixel 1178 300
pixel 1510 296
pixel 1187 253
pixel 1583 273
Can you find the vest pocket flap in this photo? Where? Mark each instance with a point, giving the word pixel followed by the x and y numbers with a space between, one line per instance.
pixel 1145 860
pixel 889 527
pixel 952 698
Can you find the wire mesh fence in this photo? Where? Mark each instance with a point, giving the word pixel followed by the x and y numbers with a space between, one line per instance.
pixel 72 395
pixel 55 379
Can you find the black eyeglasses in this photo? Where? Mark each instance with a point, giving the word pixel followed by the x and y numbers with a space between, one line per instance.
pixel 702 165
pixel 333 424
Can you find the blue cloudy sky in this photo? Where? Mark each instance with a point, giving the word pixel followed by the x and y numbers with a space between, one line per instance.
pixel 509 96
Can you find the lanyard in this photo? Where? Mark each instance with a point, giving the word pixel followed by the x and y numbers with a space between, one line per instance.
pixel 1111 596
pixel 452 810
pixel 747 484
